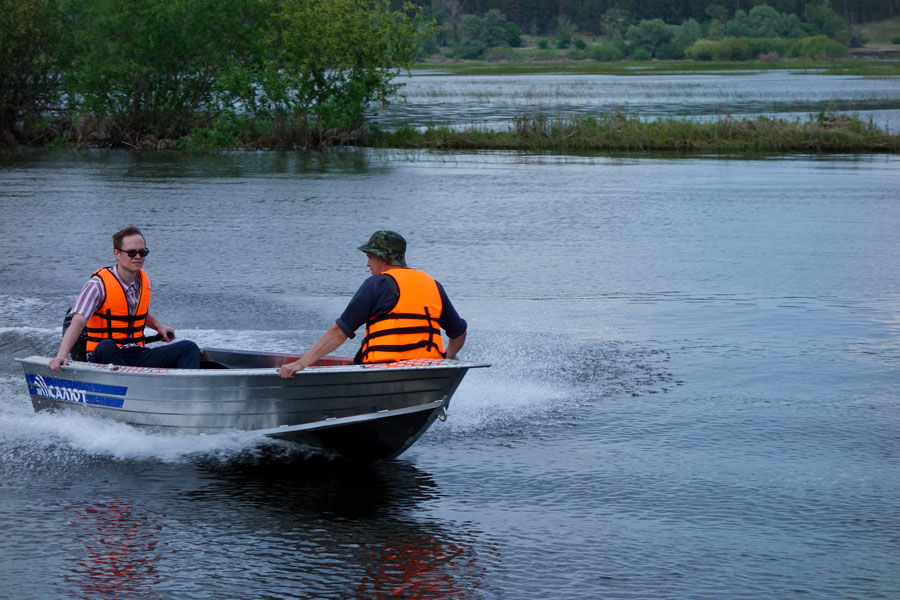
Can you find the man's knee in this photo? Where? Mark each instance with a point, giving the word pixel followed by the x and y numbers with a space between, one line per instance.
pixel 104 351
pixel 105 345
pixel 189 354
pixel 188 347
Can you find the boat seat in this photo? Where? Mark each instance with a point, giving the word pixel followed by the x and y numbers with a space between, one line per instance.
pixel 211 364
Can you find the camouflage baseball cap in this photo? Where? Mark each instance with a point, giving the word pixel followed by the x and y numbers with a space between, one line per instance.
pixel 388 246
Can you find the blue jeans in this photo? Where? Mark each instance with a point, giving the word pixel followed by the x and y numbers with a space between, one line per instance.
pixel 176 355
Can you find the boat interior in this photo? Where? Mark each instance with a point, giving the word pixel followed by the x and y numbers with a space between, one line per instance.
pixel 221 358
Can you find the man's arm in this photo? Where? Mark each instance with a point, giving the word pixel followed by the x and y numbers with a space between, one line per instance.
pixel 168 334
pixel 329 341
pixel 451 323
pixel 88 301
pixel 454 345
pixel 68 341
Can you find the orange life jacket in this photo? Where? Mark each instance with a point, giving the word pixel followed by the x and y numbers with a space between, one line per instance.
pixel 411 329
pixel 113 320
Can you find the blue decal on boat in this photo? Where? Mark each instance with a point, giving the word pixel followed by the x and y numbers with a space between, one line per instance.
pixel 79 392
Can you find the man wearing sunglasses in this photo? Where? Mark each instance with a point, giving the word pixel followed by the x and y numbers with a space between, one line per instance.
pixel 113 308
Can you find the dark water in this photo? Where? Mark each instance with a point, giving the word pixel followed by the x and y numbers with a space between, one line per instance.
pixel 695 390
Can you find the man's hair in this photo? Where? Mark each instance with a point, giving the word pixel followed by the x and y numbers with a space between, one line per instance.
pixel 120 235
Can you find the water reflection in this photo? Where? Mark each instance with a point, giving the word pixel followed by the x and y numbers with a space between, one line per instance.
pixel 421 565
pixel 286 480
pixel 290 528
pixel 360 522
pixel 115 167
pixel 121 552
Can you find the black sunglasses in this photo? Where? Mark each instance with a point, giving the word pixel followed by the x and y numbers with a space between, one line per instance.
pixel 133 253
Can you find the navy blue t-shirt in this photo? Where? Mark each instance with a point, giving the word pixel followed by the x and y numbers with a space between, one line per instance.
pixel 376 297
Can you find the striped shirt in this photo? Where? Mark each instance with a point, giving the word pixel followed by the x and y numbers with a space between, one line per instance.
pixel 93 294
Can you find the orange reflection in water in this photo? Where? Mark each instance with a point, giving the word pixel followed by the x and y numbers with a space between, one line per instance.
pixel 422 566
pixel 120 552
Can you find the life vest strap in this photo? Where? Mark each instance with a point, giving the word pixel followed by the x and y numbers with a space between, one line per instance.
pixel 405 331
pixel 416 316
pixel 124 318
pixel 397 348
pixel 108 329
pixel 119 341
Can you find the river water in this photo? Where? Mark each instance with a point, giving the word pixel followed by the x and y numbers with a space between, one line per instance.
pixel 694 393
pixel 491 101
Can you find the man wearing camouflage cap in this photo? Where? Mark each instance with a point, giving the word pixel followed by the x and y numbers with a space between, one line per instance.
pixel 403 309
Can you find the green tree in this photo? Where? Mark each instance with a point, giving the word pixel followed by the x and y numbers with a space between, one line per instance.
pixel 826 21
pixel 495 30
pixel 472 34
pixel 513 34
pixel 330 59
pixel 147 68
pixel 717 12
pixel 765 21
pixel 687 34
pixel 650 34
pixel 715 29
pixel 739 26
pixel 32 57
pixel 564 35
pixel 478 34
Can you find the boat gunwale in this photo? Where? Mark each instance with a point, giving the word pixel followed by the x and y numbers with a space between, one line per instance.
pixel 400 366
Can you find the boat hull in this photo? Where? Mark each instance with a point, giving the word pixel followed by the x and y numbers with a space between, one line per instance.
pixel 360 412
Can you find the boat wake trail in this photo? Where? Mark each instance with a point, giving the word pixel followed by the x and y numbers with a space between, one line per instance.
pixel 71 437
pixel 546 380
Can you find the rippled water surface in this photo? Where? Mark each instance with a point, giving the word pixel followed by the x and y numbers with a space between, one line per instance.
pixel 492 101
pixel 694 394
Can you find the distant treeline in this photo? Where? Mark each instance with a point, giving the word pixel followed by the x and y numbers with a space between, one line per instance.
pixel 763 32
pixel 539 17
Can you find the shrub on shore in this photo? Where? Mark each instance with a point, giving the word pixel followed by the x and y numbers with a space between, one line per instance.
pixel 743 48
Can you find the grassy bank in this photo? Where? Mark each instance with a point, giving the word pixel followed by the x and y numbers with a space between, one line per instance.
pixel 882 32
pixel 849 66
pixel 830 133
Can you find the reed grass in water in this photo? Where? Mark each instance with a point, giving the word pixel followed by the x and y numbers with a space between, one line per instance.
pixel 829 133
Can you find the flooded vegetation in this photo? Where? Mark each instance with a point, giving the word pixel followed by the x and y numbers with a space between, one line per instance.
pixel 830 133
pixel 731 111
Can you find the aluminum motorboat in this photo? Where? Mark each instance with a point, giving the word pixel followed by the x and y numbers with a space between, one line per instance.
pixel 360 412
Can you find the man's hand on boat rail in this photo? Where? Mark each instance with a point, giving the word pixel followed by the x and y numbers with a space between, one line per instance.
pixel 56 362
pixel 330 340
pixel 287 370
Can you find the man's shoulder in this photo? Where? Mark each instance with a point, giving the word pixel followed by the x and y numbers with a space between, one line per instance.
pixel 377 281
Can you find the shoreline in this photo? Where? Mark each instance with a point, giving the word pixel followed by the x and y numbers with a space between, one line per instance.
pixel 830 133
pixel 861 66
